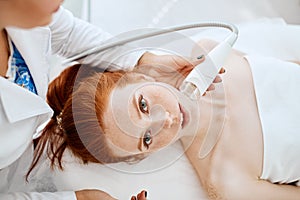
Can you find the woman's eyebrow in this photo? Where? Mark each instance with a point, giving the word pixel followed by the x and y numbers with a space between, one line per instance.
pixel 135 104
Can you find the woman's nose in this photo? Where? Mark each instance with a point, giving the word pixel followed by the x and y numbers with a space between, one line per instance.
pixel 161 119
pixel 164 120
pixel 169 120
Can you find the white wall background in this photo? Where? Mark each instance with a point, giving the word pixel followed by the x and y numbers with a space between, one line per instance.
pixel 117 16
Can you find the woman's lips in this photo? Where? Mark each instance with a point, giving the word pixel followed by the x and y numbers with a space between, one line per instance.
pixel 185 117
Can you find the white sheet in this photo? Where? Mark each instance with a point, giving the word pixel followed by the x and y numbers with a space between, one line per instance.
pixel 177 180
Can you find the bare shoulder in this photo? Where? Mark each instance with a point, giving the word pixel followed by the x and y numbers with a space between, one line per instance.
pixel 206 45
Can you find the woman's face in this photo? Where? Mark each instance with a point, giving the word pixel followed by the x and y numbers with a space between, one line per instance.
pixel 142 118
pixel 27 13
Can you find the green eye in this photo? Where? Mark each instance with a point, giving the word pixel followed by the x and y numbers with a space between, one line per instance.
pixel 147 140
pixel 143 105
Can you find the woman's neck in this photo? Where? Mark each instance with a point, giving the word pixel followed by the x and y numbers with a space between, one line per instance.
pixel 4 52
pixel 208 123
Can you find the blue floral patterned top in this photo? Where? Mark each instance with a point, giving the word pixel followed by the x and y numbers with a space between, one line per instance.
pixel 20 71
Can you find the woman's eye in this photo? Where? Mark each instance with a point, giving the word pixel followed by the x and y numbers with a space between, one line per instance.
pixel 147 140
pixel 143 104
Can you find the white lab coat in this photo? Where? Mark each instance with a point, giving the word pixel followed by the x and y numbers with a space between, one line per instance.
pixel 22 112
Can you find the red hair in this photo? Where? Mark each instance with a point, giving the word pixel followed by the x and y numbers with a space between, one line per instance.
pixel 79 97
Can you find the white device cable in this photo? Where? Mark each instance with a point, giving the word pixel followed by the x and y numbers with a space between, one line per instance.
pixel 113 44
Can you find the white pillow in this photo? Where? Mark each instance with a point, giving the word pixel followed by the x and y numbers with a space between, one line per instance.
pixel 173 180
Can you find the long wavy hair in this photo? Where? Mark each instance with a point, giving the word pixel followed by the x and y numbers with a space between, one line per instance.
pixel 79 97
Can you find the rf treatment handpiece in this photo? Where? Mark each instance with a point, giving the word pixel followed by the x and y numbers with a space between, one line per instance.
pixel 203 75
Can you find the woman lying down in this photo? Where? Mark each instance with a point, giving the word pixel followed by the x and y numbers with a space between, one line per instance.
pixel 124 116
